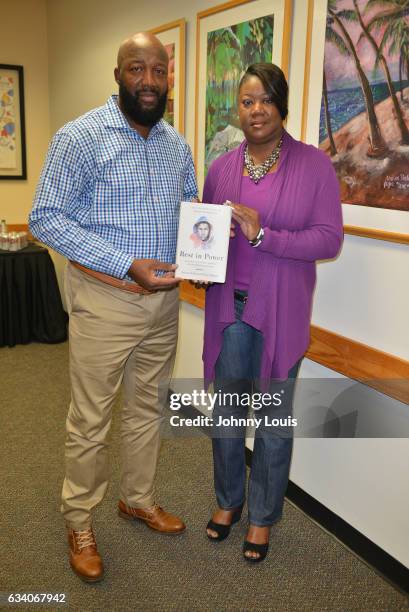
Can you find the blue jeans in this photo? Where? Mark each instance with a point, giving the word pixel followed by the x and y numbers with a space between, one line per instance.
pixel 237 370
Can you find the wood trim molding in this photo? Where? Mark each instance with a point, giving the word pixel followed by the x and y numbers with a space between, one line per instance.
pixel 381 371
pixel 221 7
pixel 376 234
pixel 182 83
pixel 193 296
pixel 307 70
pixel 20 227
pixel 285 52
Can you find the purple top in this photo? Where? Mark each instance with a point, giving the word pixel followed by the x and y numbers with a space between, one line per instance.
pixel 254 196
pixel 303 224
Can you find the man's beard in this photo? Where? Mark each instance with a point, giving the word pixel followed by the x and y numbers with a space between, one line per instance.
pixel 132 107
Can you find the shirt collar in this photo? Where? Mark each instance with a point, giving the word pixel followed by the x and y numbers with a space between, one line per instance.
pixel 116 118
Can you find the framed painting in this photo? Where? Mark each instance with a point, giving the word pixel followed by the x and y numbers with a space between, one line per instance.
pixel 356 109
pixel 12 125
pixel 229 38
pixel 173 36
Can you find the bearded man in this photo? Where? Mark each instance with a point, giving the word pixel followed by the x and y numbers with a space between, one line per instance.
pixel 108 200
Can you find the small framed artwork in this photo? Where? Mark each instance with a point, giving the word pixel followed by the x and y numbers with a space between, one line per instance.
pixel 172 36
pixel 356 109
pixel 12 126
pixel 230 37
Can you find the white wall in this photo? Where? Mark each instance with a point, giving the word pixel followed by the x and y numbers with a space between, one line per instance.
pixel 363 479
pixel 364 295
pixel 23 41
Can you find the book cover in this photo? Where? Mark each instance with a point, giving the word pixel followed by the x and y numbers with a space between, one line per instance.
pixel 203 242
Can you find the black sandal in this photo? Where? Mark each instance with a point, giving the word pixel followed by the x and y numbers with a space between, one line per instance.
pixel 260 549
pixel 223 530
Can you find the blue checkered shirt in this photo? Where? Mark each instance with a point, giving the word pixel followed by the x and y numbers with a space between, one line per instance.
pixel 106 195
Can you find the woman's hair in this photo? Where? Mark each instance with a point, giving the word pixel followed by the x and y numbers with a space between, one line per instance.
pixel 274 82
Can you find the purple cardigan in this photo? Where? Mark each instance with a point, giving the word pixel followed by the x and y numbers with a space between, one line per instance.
pixel 304 225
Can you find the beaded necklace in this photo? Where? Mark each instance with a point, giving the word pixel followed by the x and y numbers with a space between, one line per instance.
pixel 257 172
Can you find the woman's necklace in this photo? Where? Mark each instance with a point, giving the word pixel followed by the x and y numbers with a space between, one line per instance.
pixel 256 173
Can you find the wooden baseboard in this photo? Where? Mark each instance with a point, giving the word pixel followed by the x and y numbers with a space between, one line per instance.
pixel 382 371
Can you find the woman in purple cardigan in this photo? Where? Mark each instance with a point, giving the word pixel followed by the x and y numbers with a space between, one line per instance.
pixel 257 322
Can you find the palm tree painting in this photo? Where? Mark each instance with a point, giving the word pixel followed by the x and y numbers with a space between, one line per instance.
pixel 364 123
pixel 230 51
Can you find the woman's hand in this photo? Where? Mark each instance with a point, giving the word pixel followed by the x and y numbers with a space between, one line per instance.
pixel 248 219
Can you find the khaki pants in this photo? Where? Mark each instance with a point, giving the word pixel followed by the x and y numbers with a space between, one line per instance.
pixel 115 337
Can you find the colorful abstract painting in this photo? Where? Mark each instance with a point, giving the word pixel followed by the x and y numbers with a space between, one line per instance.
pixel 8 156
pixel 230 51
pixel 364 121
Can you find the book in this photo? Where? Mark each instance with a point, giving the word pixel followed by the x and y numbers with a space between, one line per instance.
pixel 203 242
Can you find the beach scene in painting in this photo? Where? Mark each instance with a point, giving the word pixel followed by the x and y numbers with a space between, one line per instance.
pixel 364 121
pixel 230 51
pixel 170 106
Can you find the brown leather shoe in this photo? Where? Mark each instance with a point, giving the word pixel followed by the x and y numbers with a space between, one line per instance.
pixel 154 517
pixel 84 557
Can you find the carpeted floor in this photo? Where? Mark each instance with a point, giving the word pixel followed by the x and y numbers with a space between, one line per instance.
pixel 306 569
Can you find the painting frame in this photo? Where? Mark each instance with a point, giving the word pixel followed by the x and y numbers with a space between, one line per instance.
pixel 359 220
pixel 236 11
pixel 20 171
pixel 175 32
